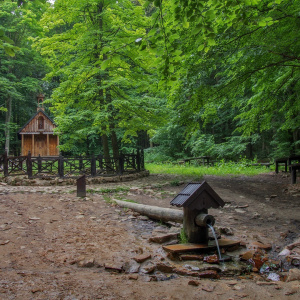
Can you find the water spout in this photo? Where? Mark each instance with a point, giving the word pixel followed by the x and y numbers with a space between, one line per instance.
pixel 217 243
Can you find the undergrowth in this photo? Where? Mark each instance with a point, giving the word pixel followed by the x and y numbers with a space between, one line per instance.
pixel 219 169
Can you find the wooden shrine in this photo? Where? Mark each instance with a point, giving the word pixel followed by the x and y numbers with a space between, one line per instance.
pixel 37 134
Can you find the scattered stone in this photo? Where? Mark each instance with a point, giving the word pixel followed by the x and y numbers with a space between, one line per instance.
pixel 273 196
pixel 266 283
pixel 194 282
pixel 34 218
pixel 247 255
pixel 294 274
pixel 141 258
pixel 79 217
pixel 292 290
pixel 148 268
pixel 262 246
pixel 232 282
pixel 87 263
pixel 131 267
pixel 133 277
pixel 285 252
pixel 4 242
pixel 186 272
pixel 238 287
pixel 293 245
pixel 35 290
pixel 208 288
pixel 191 257
pixel 238 210
pixel 165 267
pixel 113 268
pixel 212 259
pixel 226 230
pixel 209 274
pixel 160 239
pixel 243 206
pixel 274 277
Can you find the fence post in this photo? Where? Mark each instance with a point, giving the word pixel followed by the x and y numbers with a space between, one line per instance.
pixel 39 163
pixel 121 163
pixel 80 162
pixel 29 165
pixel 93 166
pixel 142 160
pixel 5 164
pixel 138 160
pixel 61 166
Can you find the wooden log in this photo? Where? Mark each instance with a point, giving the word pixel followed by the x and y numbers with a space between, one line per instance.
pixel 154 212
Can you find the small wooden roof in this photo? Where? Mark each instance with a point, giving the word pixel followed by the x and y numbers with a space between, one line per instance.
pixel 198 196
pixel 40 110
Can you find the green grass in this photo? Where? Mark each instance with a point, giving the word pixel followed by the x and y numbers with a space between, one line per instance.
pixel 219 169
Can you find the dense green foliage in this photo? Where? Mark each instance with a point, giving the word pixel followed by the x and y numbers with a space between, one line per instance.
pixel 20 75
pixel 218 78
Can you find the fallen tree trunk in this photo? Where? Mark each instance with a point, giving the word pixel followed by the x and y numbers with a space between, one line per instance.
pixel 154 212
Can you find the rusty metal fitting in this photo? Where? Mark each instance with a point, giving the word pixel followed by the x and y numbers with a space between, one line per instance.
pixel 205 220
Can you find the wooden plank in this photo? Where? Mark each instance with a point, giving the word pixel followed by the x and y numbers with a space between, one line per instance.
pixel 223 243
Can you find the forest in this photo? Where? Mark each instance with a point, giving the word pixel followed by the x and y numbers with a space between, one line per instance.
pixel 178 78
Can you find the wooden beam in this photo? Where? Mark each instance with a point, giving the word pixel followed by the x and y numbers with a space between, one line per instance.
pixel 22 146
pixel 57 151
pixel 48 150
pixel 32 137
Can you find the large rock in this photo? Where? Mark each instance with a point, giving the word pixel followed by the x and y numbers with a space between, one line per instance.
pixel 294 274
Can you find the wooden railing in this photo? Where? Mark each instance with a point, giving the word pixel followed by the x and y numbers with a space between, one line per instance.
pixel 60 166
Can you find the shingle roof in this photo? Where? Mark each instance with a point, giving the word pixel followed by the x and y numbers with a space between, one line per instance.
pixel 198 195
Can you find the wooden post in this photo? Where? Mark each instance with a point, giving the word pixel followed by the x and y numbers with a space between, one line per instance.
pixel 29 165
pixel 80 163
pixel 22 145
pixel 93 166
pixel 33 153
pixel 5 164
pixel 138 160
pixel 39 164
pixel 194 233
pixel 57 141
pixel 61 166
pixel 142 160
pixel 121 163
pixel 48 145
pixel 81 186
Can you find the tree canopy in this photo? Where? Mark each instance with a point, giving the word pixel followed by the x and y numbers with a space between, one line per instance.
pixel 212 77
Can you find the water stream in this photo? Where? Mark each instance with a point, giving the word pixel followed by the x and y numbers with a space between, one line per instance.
pixel 217 243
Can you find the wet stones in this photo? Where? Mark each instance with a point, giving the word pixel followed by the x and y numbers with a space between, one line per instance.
pixel 141 258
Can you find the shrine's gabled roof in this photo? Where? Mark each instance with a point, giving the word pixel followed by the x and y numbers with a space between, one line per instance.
pixel 38 111
pixel 197 195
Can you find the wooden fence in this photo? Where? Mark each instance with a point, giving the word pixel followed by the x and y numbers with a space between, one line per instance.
pixel 60 166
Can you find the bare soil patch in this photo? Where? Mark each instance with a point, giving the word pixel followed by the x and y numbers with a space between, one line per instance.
pixel 54 245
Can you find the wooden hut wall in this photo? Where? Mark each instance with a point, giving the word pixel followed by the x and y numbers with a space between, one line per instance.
pixel 40 145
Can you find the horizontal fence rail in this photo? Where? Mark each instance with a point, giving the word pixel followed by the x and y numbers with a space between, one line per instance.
pixel 64 167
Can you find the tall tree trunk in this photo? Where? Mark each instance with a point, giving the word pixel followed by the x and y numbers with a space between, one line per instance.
pixel 114 142
pixel 7 124
pixel 105 148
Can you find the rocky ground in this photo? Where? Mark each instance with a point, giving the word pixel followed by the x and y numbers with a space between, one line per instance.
pixel 54 245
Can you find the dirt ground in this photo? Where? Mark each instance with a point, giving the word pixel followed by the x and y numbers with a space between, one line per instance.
pixel 54 245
